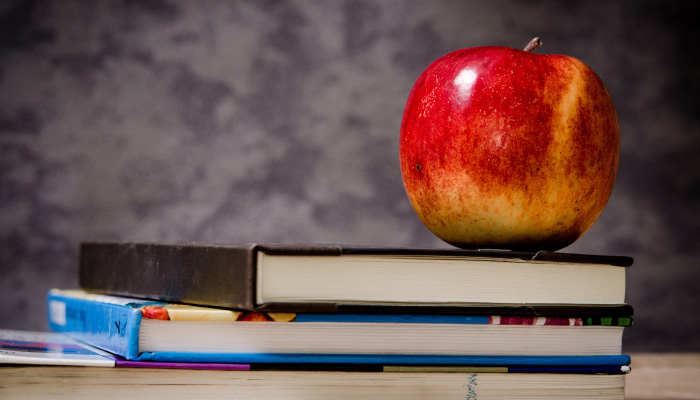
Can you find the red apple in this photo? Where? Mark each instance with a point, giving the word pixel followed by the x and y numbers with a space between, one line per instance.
pixel 505 148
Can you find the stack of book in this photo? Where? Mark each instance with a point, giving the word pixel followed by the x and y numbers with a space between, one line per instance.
pixel 348 322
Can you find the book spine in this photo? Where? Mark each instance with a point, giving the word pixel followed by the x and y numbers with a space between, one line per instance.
pixel 110 327
pixel 197 274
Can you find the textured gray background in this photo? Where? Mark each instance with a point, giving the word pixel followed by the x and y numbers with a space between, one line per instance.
pixel 237 121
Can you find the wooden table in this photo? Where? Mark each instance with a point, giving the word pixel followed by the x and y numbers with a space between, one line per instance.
pixel 664 376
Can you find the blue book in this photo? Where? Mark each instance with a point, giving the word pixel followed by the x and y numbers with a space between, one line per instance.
pixel 167 332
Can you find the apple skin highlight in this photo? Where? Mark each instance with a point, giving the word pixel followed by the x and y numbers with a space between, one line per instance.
pixel 509 149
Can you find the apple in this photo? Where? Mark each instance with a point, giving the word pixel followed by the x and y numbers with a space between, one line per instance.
pixel 509 149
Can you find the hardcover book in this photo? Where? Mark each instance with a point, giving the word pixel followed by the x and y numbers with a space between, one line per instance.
pixel 267 277
pixel 158 331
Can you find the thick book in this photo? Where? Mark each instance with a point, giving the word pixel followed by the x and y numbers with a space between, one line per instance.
pixel 283 277
pixel 157 331
pixel 60 383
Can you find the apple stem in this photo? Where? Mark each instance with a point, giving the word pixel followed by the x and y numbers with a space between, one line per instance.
pixel 534 43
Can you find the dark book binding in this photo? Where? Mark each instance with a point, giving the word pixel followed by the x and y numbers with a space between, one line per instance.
pixel 224 276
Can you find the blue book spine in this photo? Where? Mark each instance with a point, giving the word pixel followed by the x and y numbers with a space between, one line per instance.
pixel 110 327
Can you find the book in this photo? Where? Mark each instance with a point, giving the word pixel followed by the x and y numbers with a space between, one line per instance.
pixel 47 348
pixel 20 347
pixel 283 277
pixel 119 383
pixel 145 330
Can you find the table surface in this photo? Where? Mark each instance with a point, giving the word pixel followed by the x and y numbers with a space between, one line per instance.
pixel 664 376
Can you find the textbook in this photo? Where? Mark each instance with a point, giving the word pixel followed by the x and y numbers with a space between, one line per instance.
pixel 326 278
pixel 158 331
pixel 60 383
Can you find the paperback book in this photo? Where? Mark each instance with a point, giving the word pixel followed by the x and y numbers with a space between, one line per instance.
pixel 48 348
pixel 158 331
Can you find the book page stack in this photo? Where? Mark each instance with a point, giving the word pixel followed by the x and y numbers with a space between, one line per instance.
pixel 298 321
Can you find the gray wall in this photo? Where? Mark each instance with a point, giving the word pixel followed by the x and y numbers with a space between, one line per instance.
pixel 231 121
